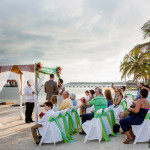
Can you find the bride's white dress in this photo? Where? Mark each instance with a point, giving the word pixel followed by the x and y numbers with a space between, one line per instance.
pixel 60 97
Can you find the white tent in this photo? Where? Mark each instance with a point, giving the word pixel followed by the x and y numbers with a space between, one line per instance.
pixel 19 69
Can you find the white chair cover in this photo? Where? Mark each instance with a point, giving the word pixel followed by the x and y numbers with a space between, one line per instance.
pixel 93 129
pixel 73 115
pixel 142 132
pixel 50 133
pixel 61 121
pixel 106 123
pixel 89 109
pixel 117 111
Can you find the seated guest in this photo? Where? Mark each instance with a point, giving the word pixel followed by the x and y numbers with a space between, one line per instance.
pixel 141 85
pixel 123 88
pixel 89 95
pixel 137 116
pixel 148 88
pixel 99 102
pixel 42 122
pixel 66 103
pixel 54 101
pixel 119 97
pixel 73 97
pixel 109 97
pixel 92 94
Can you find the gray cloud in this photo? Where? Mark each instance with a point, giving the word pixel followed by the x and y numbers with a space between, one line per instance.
pixel 87 38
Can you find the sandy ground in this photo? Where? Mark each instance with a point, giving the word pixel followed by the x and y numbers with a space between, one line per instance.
pixel 16 135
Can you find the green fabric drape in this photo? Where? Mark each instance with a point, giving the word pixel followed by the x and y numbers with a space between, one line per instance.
pixel 105 135
pixel 124 105
pixel 108 118
pixel 65 126
pixel 77 118
pixel 65 139
pixel 113 120
pixel 72 129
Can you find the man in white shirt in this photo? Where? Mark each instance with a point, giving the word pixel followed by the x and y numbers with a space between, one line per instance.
pixel 29 101
pixel 42 122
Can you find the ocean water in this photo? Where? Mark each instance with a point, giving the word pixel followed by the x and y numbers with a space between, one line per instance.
pixel 11 94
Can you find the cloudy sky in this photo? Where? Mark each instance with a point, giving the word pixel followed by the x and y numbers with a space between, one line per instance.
pixel 88 38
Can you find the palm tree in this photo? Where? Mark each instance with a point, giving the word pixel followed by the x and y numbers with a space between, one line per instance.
pixel 146 29
pixel 135 64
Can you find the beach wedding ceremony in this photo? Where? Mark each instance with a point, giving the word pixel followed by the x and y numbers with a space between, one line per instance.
pixel 74 75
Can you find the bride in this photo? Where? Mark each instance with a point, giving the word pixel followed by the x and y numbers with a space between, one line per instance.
pixel 61 89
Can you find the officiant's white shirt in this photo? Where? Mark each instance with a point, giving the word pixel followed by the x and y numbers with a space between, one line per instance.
pixel 29 97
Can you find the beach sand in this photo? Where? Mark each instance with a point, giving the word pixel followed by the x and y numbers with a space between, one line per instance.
pixel 16 135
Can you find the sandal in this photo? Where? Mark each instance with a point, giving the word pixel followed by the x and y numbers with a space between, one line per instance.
pixel 128 141
pixel 82 132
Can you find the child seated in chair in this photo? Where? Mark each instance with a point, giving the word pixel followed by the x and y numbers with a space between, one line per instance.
pixel 42 122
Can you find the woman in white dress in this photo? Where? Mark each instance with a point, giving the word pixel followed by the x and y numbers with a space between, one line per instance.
pixel 61 89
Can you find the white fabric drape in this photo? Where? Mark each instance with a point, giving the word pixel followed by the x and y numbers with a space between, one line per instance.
pixel 5 71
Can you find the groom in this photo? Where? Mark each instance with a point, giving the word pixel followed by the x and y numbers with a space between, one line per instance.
pixel 51 88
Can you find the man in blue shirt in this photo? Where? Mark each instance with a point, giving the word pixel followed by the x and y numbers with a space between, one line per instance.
pixel 141 85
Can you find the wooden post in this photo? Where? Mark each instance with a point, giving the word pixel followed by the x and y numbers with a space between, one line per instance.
pixel 21 113
pixel 36 97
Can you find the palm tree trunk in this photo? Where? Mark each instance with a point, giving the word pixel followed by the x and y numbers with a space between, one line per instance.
pixel 136 79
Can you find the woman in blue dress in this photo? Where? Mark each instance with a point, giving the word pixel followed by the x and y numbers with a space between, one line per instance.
pixel 137 117
pixel 109 97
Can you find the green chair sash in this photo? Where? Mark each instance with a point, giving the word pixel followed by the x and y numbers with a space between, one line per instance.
pixel 105 135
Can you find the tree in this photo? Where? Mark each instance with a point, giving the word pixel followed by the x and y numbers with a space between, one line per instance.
pixel 146 29
pixel 136 63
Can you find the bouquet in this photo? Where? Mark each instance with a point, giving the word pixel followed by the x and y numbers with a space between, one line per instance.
pixel 83 99
pixel 41 114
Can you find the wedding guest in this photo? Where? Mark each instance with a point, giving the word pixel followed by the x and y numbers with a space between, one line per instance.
pixel 99 102
pixel 50 88
pixel 42 123
pixel 123 88
pixel 137 116
pixel 109 97
pixel 54 101
pixel 87 97
pixel 119 97
pixel 61 89
pixel 92 94
pixel 29 102
pixel 82 107
pixel 66 103
pixel 73 98
pixel 141 85
pixel 148 89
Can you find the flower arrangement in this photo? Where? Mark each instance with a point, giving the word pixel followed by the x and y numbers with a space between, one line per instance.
pixel 83 99
pixel 38 68
pixel 59 69
pixel 41 114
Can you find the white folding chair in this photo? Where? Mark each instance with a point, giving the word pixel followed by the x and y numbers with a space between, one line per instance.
pixel 106 122
pixel 117 111
pixel 61 121
pixel 93 129
pixel 142 132
pixel 89 109
pixel 51 132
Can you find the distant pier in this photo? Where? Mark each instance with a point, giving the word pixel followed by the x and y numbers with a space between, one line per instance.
pixel 94 84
